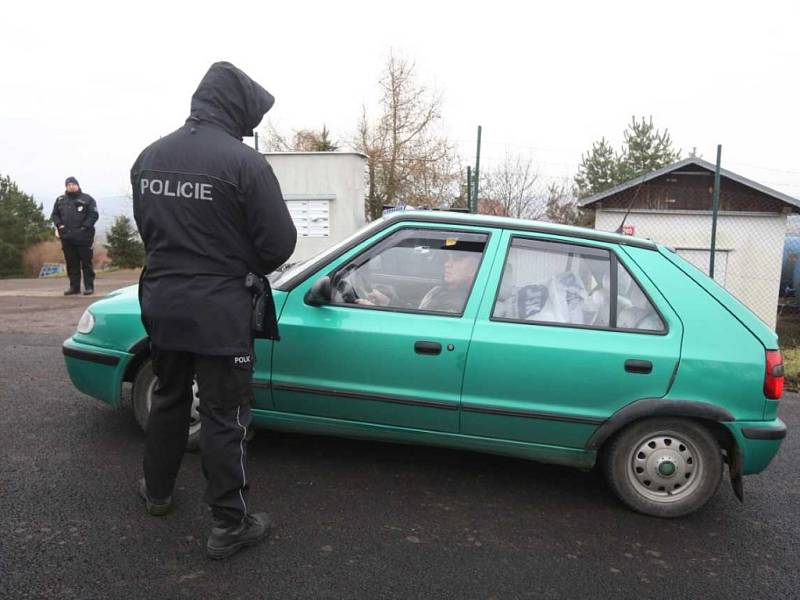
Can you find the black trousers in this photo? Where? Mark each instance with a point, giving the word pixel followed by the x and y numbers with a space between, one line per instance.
pixel 79 258
pixel 225 390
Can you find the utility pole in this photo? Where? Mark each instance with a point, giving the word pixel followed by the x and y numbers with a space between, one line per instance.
pixel 715 210
pixel 255 140
pixel 474 209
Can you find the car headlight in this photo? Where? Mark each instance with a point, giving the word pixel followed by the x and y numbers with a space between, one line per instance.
pixel 86 324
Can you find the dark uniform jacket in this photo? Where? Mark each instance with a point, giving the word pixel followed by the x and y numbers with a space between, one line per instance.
pixel 78 214
pixel 209 210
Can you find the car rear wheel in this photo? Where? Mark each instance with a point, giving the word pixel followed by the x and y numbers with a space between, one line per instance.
pixel 664 467
pixel 143 387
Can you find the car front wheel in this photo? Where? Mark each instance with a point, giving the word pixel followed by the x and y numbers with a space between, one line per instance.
pixel 143 387
pixel 664 467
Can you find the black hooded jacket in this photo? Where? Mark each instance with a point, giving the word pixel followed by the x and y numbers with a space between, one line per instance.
pixel 209 210
pixel 74 215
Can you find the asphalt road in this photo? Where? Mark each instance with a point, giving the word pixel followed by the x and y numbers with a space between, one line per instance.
pixel 357 519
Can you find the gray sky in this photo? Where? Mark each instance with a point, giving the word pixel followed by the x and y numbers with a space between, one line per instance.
pixel 86 86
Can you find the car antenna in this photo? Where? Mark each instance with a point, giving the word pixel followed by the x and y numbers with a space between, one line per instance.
pixel 630 204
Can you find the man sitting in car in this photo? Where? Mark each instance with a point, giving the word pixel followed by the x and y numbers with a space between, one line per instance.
pixel 459 272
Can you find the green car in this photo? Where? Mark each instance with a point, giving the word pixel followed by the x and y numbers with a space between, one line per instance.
pixel 557 344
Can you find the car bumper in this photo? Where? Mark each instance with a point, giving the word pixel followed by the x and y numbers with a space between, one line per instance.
pixel 96 371
pixel 759 441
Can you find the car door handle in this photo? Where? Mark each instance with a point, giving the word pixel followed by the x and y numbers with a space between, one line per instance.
pixel 427 348
pixel 638 366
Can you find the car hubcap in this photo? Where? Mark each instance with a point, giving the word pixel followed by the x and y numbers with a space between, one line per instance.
pixel 664 467
pixel 194 415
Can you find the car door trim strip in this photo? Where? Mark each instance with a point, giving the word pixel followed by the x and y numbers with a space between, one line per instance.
pixel 507 412
pixel 362 396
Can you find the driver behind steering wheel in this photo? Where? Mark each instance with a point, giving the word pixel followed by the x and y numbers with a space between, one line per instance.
pixel 459 272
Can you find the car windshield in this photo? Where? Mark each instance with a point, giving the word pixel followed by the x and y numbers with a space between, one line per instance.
pixel 310 263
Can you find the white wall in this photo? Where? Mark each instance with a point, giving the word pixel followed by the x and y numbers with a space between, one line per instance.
pixel 336 177
pixel 751 246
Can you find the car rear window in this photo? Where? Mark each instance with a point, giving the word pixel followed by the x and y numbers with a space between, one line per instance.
pixel 568 284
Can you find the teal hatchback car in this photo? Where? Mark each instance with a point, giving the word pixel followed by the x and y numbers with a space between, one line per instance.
pixel 556 344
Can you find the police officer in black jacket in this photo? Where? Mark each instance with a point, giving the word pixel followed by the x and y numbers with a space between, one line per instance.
pixel 210 211
pixel 74 215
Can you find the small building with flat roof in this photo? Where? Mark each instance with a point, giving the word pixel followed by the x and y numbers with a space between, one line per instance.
pixel 325 193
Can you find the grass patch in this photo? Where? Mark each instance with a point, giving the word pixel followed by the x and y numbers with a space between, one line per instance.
pixel 791 367
pixel 789 337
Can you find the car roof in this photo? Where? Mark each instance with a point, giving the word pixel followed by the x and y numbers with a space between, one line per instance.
pixel 455 218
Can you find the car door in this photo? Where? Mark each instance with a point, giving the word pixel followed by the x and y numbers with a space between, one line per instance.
pixel 567 334
pixel 262 394
pixel 389 349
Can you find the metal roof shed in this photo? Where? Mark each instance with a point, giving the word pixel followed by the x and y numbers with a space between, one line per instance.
pixel 673 206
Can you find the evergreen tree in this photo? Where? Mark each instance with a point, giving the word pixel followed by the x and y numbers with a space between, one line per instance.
pixel 599 169
pixel 645 149
pixel 22 224
pixel 125 249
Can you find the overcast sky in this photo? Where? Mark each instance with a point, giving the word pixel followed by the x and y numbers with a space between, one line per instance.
pixel 86 86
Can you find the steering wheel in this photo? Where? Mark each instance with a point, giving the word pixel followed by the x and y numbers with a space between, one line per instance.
pixel 351 285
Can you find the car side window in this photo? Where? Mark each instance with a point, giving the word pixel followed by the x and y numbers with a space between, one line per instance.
pixel 634 310
pixel 420 270
pixel 558 283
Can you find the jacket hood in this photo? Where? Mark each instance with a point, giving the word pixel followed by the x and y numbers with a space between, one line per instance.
pixel 228 98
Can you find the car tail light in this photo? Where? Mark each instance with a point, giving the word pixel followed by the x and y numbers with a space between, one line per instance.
pixel 773 378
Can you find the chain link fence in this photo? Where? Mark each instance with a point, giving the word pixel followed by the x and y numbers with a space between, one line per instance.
pixel 749 258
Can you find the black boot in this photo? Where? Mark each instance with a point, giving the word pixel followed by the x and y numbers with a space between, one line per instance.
pixel 71 292
pixel 88 291
pixel 155 507
pixel 225 539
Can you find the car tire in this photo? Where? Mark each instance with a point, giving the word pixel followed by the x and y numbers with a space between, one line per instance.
pixel 143 386
pixel 665 467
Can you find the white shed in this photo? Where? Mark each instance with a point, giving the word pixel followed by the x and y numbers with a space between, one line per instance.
pixel 672 206
pixel 325 194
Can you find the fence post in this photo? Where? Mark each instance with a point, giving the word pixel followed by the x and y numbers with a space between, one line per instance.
pixel 715 210
pixel 469 190
pixel 477 171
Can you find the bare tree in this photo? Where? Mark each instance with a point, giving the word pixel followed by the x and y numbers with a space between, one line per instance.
pixel 302 140
pixel 510 189
pixel 409 160
pixel 311 140
pixel 273 140
pixel 562 206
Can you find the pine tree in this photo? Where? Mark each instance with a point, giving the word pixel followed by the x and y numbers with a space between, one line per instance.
pixel 599 169
pixel 22 224
pixel 125 249
pixel 645 149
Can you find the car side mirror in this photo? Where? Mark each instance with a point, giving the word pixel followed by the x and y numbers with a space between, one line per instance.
pixel 319 293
